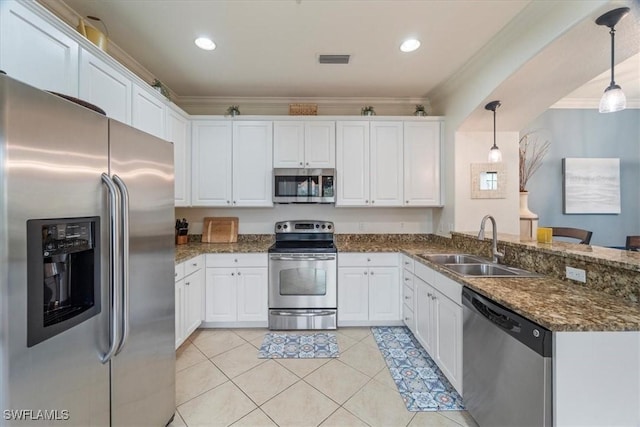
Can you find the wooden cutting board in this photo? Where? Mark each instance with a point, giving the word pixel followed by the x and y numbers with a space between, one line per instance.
pixel 220 230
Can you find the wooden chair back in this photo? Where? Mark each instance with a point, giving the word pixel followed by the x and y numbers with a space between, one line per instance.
pixel 576 233
pixel 633 243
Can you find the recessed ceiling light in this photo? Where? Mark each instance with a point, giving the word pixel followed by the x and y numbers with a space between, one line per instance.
pixel 205 43
pixel 410 45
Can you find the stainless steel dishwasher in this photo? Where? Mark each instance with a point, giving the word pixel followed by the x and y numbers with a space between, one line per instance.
pixel 506 365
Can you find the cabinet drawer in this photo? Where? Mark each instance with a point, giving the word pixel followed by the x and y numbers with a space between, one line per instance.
pixel 407 316
pixel 193 265
pixel 448 287
pixel 407 263
pixel 179 271
pixel 237 260
pixel 364 259
pixel 407 295
pixel 407 279
pixel 424 272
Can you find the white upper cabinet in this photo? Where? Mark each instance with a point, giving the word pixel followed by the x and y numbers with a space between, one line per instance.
pixel 148 112
pixel 352 163
pixel 35 52
pixel 105 87
pixel 308 144
pixel 179 132
pixel 252 159
pixel 422 164
pixel 211 148
pixel 369 163
pixel 386 164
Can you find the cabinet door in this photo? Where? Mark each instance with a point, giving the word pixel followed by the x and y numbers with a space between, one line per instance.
pixel 386 164
pixel 35 52
pixel 352 163
pixel 179 132
pixel 423 294
pixel 422 164
pixel 320 144
pixel 148 112
pixel 193 296
pixel 252 294
pixel 353 294
pixel 106 87
pixel 384 293
pixel 448 326
pixel 220 295
pixel 211 163
pixel 179 314
pixel 288 144
pixel 252 163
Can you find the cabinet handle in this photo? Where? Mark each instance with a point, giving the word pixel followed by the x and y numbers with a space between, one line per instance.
pixel 228 202
pixel 234 202
pixel 429 294
pixel 434 297
pixel 366 201
pixel 406 319
pixel 238 273
pixel 195 264
pixel 300 163
pixel 373 201
pixel 365 273
pixel 372 273
pixel 368 259
pixel 407 202
pixel 406 279
pixel 235 260
pixel 407 263
pixel 187 283
pixel 176 275
pixel 233 274
pixel 407 297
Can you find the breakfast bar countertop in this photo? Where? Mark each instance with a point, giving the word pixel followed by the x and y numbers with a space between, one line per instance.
pixel 555 304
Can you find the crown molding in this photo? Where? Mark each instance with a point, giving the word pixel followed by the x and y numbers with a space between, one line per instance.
pixel 588 104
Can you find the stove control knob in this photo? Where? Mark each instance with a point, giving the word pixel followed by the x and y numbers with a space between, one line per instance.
pixel 279 226
pixel 318 226
pixel 285 226
pixel 324 226
pixel 329 226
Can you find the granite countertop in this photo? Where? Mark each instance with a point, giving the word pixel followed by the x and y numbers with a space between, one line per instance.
pixel 555 304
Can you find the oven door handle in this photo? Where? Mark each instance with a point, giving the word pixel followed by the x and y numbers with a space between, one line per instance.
pixel 306 314
pixel 303 258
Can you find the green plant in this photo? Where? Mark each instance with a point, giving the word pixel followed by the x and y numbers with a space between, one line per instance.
pixel 368 109
pixel 420 107
pixel 161 88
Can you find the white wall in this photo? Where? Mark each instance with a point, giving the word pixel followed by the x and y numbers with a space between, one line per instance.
pixel 473 147
pixel 347 220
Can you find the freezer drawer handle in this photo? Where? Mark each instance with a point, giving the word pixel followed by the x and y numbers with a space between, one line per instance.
pixel 124 216
pixel 304 314
pixel 114 238
pixel 495 317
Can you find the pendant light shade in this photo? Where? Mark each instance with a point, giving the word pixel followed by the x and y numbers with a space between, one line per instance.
pixel 495 155
pixel 613 98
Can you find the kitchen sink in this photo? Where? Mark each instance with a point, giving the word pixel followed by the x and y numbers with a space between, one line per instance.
pixel 452 258
pixel 488 270
pixel 475 266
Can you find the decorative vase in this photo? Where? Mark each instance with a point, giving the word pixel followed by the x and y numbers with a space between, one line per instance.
pixel 528 219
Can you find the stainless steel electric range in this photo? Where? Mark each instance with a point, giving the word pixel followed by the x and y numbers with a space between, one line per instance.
pixel 303 291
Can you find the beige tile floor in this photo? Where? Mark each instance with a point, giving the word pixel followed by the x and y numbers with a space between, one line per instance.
pixel 221 381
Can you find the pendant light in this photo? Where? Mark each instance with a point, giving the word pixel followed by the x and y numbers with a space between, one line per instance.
pixel 494 154
pixel 613 98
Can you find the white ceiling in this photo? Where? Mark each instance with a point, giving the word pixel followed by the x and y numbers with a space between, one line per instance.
pixel 269 48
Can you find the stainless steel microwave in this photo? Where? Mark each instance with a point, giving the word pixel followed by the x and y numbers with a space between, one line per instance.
pixel 304 185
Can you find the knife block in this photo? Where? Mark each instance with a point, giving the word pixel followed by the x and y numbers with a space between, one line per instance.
pixel 182 240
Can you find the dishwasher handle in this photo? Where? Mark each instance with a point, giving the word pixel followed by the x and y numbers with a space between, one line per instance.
pixel 529 333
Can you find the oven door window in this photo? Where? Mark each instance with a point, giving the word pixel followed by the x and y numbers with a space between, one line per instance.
pixel 303 281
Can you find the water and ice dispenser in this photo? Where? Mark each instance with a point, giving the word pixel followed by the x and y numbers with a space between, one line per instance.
pixel 63 275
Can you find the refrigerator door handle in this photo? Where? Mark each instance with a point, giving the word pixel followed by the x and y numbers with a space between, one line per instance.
pixel 124 212
pixel 114 268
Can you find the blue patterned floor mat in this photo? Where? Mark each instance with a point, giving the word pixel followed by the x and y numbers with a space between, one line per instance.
pixel 295 346
pixel 421 384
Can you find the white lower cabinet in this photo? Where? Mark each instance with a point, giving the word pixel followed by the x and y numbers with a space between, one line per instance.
pixel 236 290
pixel 438 320
pixel 189 297
pixel 368 289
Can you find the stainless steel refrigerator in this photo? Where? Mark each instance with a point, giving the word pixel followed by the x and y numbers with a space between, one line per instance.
pixel 86 266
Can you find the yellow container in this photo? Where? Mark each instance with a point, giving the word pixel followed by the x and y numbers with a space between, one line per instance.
pixel 94 35
pixel 545 235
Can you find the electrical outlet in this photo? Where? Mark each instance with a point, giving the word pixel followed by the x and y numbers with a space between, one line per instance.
pixel 576 274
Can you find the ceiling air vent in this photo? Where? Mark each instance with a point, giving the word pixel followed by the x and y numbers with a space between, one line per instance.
pixel 334 59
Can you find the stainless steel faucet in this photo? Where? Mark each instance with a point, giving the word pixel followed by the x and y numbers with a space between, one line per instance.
pixel 494 244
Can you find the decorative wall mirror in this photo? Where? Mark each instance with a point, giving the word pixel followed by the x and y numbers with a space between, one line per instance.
pixel 488 181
